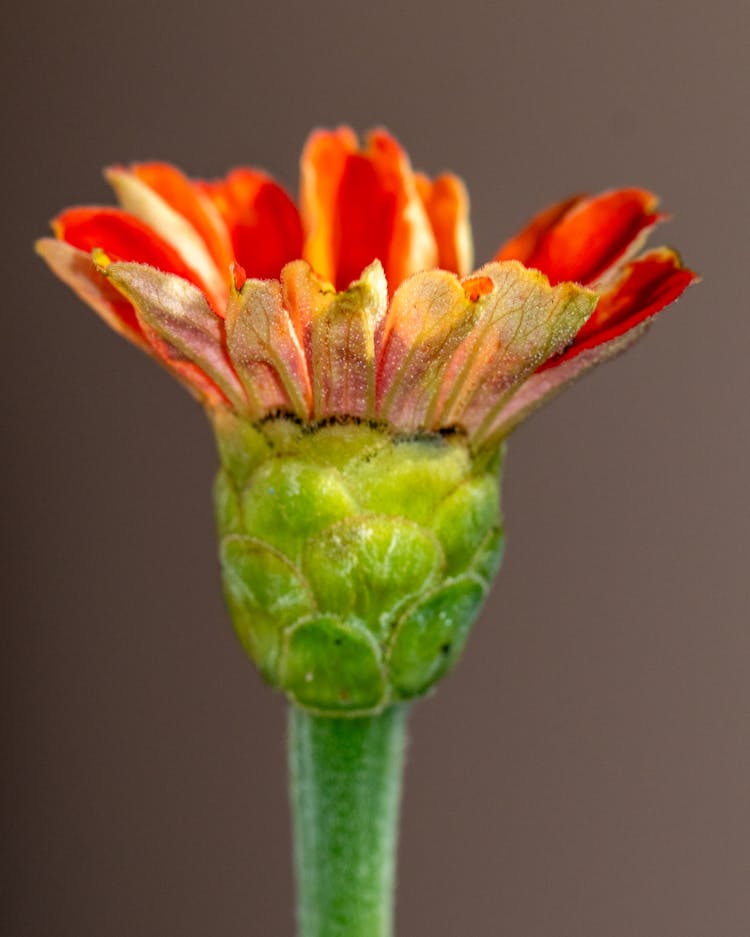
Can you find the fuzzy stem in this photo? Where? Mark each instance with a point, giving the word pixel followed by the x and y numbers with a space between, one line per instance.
pixel 345 784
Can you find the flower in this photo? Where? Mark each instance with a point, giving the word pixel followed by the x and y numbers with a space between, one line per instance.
pixel 361 379
pixel 232 287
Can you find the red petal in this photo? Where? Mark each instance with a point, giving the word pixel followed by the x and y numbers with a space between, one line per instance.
pixel 362 206
pixel 644 288
pixel 193 204
pixel 263 221
pixel 523 246
pixel 579 240
pixel 122 237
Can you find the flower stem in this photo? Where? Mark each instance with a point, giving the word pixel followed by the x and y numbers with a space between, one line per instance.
pixel 345 777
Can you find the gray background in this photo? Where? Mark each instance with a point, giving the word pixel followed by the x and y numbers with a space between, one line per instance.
pixel 585 772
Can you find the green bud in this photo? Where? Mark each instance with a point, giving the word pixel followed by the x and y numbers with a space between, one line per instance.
pixel 354 560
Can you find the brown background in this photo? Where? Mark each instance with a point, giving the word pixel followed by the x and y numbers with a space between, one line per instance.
pixel 585 773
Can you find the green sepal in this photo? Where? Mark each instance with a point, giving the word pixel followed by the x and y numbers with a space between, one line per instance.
pixel 288 500
pixel 410 477
pixel 333 666
pixel 463 519
pixel 370 567
pixel 265 593
pixel 430 637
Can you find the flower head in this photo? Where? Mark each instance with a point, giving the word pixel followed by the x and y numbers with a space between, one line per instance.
pixel 360 303
pixel 360 379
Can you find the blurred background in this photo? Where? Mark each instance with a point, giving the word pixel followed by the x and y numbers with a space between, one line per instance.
pixel 585 772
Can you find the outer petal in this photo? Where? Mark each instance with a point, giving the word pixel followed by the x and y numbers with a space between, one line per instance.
pixel 142 201
pixel 77 269
pixel 263 222
pixel 580 239
pixel 524 321
pixel 644 287
pixel 446 202
pixel 430 315
pixel 122 237
pixel 265 350
pixel 359 206
pixel 180 326
pixel 338 333
pixel 622 316
pixel 548 382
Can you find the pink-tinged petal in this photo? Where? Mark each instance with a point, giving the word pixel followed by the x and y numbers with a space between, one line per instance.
pixel 181 327
pixel 643 288
pixel 446 202
pixel 359 206
pixel 624 312
pixel 342 346
pixel 266 352
pixel 524 320
pixel 191 201
pixel 77 269
pixel 263 221
pixel 581 239
pixel 548 382
pixel 304 291
pixel 138 199
pixel 430 315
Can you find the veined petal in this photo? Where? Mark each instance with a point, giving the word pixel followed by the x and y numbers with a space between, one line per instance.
pixel 430 314
pixel 579 240
pixel 446 202
pixel 524 321
pixel 191 201
pixel 180 326
pixel 263 222
pixel 342 346
pixel 139 199
pixel 265 350
pixel 547 382
pixel 361 206
pixel 77 269
pixel 121 236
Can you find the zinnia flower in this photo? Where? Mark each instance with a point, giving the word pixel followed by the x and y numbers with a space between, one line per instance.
pixel 361 379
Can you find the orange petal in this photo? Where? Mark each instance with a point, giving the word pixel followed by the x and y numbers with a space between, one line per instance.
pixel 524 245
pixel 361 206
pixel 144 203
pixel 192 202
pixel 263 222
pixel 76 268
pixel 324 159
pixel 122 237
pixel 581 239
pixel 645 286
pixel 446 202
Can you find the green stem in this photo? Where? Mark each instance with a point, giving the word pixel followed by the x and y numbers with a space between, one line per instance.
pixel 345 777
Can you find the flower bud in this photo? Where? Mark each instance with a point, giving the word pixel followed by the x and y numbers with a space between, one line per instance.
pixel 354 560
